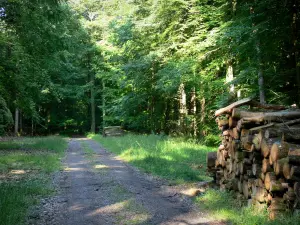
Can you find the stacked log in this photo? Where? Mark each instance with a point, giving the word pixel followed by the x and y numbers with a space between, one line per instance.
pixel 259 156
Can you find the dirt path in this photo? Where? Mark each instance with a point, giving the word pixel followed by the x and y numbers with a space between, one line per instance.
pixel 97 188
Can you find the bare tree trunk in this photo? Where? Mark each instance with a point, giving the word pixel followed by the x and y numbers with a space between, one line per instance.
pixel 295 49
pixel 229 77
pixel 16 121
pixel 262 97
pixel 21 122
pixel 103 104
pixel 194 111
pixel 182 107
pixel 32 127
pixel 93 122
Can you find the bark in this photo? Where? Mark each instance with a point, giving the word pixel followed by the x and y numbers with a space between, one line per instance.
pixel 229 77
pixel 295 47
pixel 283 149
pixel 103 104
pixel 266 145
pixel 262 97
pixel 229 108
pixel 194 111
pixel 93 116
pixel 182 107
pixel 266 167
pixel 265 116
pixel 270 177
pixel 287 133
pixel 278 167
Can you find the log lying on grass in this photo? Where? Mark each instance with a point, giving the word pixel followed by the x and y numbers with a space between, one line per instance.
pixel 113 131
pixel 260 155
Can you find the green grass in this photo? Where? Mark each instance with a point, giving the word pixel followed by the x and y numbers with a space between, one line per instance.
pixel 177 160
pixel 36 159
pixel 222 205
pixel 174 159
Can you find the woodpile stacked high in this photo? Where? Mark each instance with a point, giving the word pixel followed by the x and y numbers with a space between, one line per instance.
pixel 260 155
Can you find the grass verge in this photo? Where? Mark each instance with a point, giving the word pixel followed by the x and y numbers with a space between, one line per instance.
pixel 174 159
pixel 26 165
pixel 222 205
pixel 179 160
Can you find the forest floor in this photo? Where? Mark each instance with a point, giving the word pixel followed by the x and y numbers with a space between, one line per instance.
pixel 97 187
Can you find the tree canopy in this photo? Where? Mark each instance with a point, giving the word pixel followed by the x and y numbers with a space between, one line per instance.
pixel 148 65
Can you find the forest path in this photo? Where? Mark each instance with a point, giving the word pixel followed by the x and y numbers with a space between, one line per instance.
pixel 97 188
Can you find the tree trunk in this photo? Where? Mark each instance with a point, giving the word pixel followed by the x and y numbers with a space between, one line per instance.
pixel 93 117
pixel 16 121
pixel 194 111
pixel 295 48
pixel 229 77
pixel 182 107
pixel 262 98
pixel 103 104
pixel 264 116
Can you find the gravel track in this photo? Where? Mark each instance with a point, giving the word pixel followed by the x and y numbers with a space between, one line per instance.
pixel 97 188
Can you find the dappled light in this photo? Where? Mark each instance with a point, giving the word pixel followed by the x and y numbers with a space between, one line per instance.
pixel 108 111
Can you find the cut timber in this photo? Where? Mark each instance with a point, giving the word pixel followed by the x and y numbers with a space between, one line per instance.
pixel 266 167
pixel 277 186
pixel 232 122
pixel 286 170
pixel 295 171
pixel 227 133
pixel 236 145
pixel 220 159
pixel 113 131
pixel 261 194
pixel 281 150
pixel 256 157
pixel 265 116
pixel 246 142
pixel 267 106
pixel 256 169
pixel 246 190
pixel 266 145
pixel 294 156
pixel 211 159
pixel 277 204
pixel 277 208
pixel 288 133
pixel 222 122
pixel 257 140
pixel 297 190
pixel 278 166
pixel 240 186
pixel 229 108
pixel 239 156
pixel 292 172
pixel 235 133
pixel 270 177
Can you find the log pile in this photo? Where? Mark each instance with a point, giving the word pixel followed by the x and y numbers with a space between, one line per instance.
pixel 259 156
pixel 113 131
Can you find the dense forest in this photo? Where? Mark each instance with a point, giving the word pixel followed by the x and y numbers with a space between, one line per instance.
pixel 160 66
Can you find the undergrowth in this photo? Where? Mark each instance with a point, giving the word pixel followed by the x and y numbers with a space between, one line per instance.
pixel 26 165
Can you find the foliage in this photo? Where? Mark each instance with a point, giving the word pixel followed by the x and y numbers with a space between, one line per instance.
pixel 99 63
